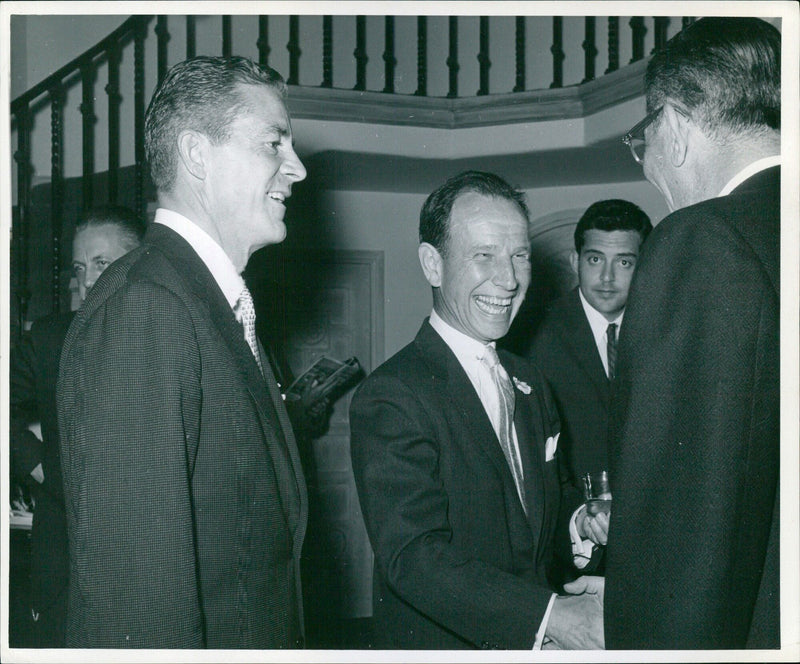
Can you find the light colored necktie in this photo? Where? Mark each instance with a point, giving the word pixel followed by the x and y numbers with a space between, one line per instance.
pixel 505 434
pixel 611 348
pixel 245 313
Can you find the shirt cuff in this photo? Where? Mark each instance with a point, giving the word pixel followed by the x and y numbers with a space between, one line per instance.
pixel 581 548
pixel 537 644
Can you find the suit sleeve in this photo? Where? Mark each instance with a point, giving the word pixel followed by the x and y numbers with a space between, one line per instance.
pixel 129 402
pixel 396 464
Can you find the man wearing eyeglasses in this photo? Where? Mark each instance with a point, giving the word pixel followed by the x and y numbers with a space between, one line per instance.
pixel 692 556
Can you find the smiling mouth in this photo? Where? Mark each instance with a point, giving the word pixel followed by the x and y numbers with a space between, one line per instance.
pixel 276 196
pixel 494 306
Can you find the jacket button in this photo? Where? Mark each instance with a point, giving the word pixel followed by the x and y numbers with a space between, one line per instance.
pixel 299 642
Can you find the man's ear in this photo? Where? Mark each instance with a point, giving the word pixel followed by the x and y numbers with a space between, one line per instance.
pixel 431 261
pixel 573 261
pixel 677 137
pixel 193 152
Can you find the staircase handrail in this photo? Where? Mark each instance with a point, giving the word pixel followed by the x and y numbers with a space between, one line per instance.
pixel 128 29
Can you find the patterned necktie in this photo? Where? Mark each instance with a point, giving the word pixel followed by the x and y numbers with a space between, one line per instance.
pixel 245 313
pixel 611 349
pixel 505 391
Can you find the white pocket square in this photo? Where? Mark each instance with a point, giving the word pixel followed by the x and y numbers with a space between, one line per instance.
pixel 550 447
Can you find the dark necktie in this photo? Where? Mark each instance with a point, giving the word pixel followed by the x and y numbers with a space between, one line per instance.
pixel 611 349
pixel 505 434
pixel 245 313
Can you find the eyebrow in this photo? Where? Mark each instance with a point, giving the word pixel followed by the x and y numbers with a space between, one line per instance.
pixel 280 129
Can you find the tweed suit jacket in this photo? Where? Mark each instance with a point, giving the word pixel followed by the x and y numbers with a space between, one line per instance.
pixel 458 563
pixel 566 353
pixel 34 370
pixel 186 504
pixel 692 556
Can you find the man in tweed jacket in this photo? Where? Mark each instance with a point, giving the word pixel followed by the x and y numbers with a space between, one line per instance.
pixel 186 505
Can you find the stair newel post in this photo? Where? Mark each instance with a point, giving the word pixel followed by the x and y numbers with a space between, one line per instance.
pixel 557 49
pixel 114 99
pixel 484 63
pixel 88 75
pixel 360 53
pixel 327 51
pixel 138 117
pixel 191 37
pixel 638 31
pixel 294 50
pixel 56 187
pixel 422 56
pixel 613 44
pixel 589 46
pixel 227 36
pixel 388 55
pixel 21 230
pixel 519 53
pixel 263 40
pixel 452 57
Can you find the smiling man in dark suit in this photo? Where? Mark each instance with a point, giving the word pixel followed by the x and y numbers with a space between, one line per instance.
pixel 186 505
pixel 454 450
pixel 574 346
pixel 693 547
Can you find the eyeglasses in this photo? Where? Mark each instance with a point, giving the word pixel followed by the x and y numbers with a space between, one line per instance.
pixel 634 139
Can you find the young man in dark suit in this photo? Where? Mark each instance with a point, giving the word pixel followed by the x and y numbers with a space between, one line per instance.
pixel 454 450
pixel 575 344
pixel 693 547
pixel 186 503
pixel 103 235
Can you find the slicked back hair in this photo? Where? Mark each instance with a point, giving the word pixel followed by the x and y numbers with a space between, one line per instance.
pixel 201 94
pixel 725 71
pixel 434 218
pixel 130 223
pixel 612 215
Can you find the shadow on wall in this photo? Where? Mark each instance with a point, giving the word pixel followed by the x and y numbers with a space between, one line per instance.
pixel 551 275
pixel 269 274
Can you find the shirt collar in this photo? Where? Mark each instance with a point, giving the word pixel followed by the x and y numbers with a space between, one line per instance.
pixel 469 351
pixel 214 256
pixel 748 171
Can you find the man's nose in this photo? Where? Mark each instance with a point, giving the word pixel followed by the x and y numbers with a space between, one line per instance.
pixel 292 167
pixel 92 273
pixel 505 275
pixel 607 273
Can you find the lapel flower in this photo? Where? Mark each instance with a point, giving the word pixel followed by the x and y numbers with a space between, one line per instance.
pixel 522 386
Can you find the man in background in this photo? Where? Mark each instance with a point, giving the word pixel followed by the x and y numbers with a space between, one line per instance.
pixel 692 556
pixel 575 345
pixel 454 450
pixel 103 235
pixel 186 503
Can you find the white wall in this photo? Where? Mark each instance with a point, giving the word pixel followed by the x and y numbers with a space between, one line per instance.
pixel 386 222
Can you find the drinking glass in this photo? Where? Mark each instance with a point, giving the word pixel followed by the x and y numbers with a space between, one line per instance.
pixel 596 492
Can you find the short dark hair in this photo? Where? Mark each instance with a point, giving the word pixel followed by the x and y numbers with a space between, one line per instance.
pixel 203 94
pixel 130 223
pixel 612 215
pixel 434 218
pixel 725 71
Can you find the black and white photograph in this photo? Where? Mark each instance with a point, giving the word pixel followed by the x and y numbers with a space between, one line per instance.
pixel 386 331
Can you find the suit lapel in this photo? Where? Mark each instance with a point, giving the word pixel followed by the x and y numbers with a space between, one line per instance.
pixel 205 289
pixel 466 402
pixel 578 336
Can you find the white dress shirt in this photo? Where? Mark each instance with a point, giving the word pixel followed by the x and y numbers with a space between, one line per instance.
pixel 469 352
pixel 599 326
pixel 214 257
